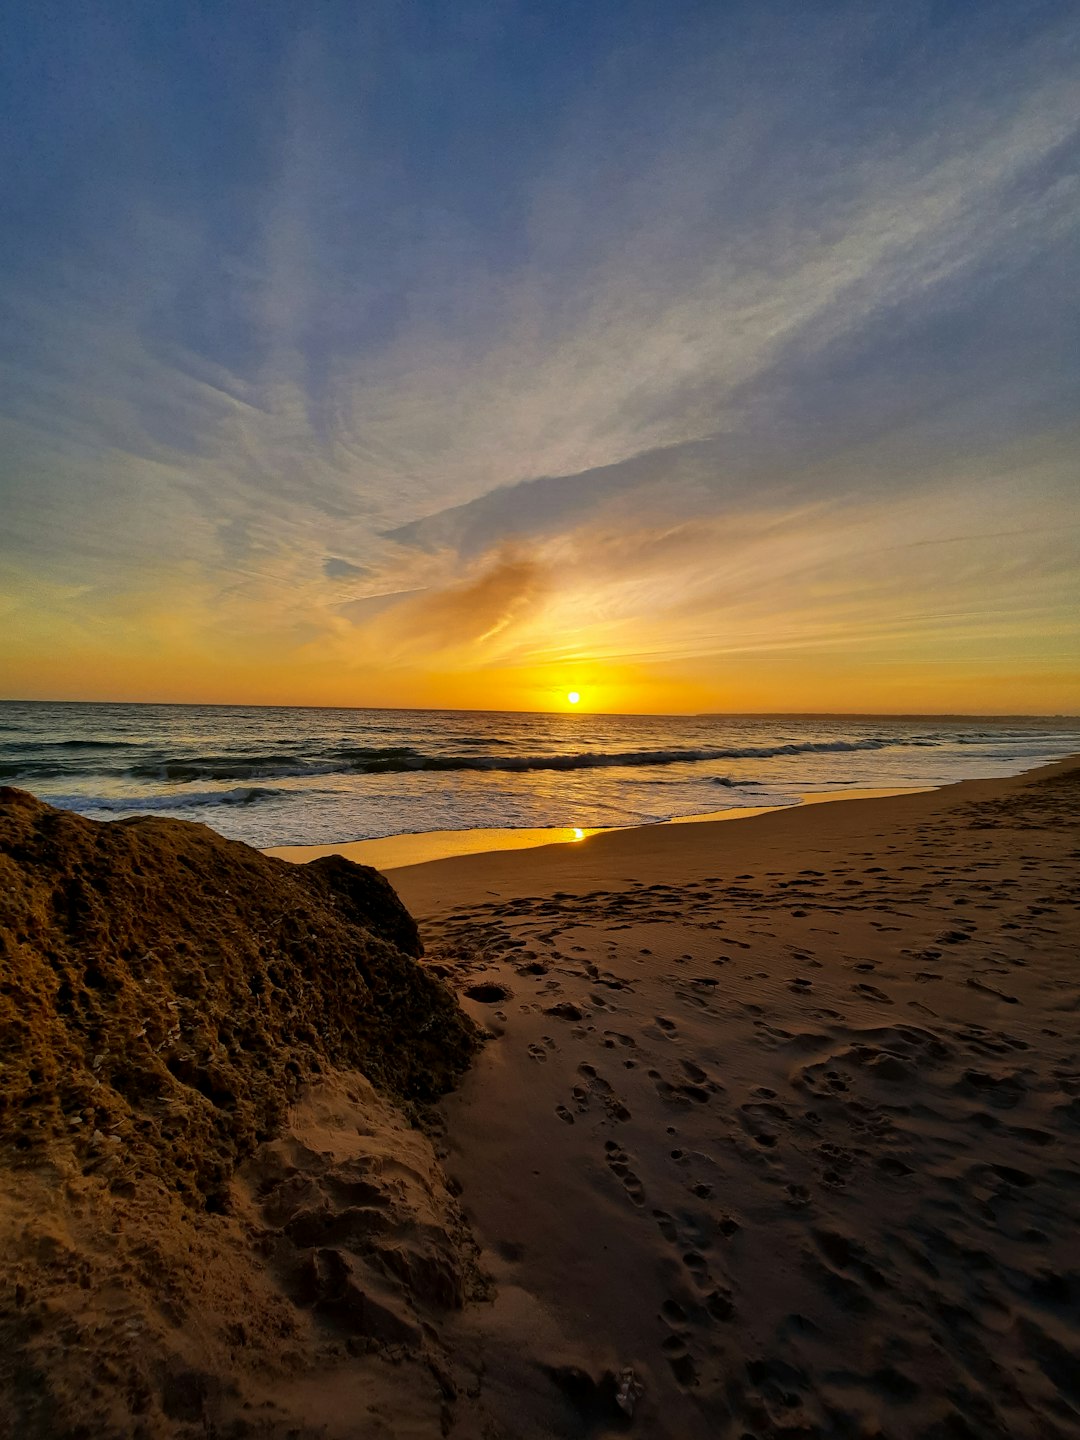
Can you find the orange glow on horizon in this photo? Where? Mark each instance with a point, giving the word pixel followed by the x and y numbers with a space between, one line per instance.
pixel 48 670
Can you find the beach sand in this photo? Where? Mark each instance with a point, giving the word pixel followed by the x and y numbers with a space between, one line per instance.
pixel 784 1115
pixel 775 1133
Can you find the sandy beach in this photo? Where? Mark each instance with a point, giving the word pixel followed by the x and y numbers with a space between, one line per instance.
pixel 775 1132
pixel 785 1114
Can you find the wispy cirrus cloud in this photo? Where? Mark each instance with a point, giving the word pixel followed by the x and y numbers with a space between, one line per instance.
pixel 764 298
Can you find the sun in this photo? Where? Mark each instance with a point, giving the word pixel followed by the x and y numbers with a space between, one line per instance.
pixel 573 697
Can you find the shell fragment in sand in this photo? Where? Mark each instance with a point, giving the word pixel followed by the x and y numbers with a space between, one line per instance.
pixel 630 1392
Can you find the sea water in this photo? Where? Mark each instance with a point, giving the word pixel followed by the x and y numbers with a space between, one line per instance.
pixel 279 776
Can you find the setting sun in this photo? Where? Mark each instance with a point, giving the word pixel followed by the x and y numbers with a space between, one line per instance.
pixel 573 697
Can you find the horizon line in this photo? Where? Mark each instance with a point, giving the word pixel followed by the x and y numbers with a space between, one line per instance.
pixel 622 714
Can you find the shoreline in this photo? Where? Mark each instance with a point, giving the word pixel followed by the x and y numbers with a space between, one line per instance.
pixel 670 852
pixel 394 852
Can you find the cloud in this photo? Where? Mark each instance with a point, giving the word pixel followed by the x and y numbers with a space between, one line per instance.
pixel 335 568
pixel 467 620
pixel 627 383
pixel 869 577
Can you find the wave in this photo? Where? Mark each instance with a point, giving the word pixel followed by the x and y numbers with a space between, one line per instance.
pixel 273 765
pixel 72 744
pixel 405 759
pixel 362 753
pixel 141 805
pixel 40 770
pixel 595 759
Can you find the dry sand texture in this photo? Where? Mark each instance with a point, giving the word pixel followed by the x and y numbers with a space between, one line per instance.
pixel 210 1222
pixel 785 1115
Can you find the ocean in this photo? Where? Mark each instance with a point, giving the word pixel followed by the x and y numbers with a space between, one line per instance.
pixel 288 776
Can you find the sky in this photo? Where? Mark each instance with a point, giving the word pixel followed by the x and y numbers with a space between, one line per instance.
pixel 687 356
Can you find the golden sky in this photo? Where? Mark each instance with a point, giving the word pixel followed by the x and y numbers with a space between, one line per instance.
pixel 739 375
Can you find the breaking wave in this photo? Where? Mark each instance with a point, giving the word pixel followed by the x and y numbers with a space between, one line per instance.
pixel 405 759
pixel 141 805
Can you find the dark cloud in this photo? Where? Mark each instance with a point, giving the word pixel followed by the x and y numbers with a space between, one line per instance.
pixel 334 568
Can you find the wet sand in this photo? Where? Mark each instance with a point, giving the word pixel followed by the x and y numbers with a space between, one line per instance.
pixel 396 851
pixel 782 1116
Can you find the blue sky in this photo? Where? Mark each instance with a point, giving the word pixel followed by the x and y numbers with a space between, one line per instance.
pixel 400 352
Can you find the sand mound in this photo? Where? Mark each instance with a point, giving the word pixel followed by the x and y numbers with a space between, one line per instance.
pixel 207 1206
pixel 165 992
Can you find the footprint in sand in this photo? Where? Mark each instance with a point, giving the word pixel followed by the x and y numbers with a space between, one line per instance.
pixel 720 1305
pixel 838 1162
pixel 564 1114
pixel 872 993
pixel 618 1163
pixel 666 1225
pixel 596 1085
pixel 537 1052
pixel 680 1360
pixel 671 1093
pixel 613 1037
pixel 697 1266
pixel 564 1011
